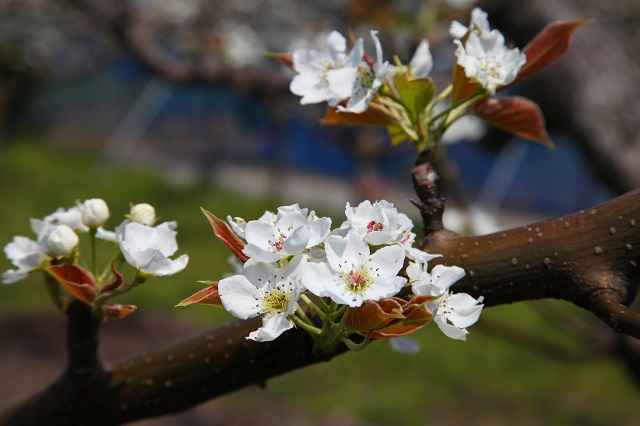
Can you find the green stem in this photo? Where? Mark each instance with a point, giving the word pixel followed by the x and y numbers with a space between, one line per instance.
pixel 313 306
pixel 466 101
pixel 94 263
pixel 313 331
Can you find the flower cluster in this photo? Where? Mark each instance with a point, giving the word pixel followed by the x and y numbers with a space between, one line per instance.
pixel 350 277
pixel 56 251
pixel 364 91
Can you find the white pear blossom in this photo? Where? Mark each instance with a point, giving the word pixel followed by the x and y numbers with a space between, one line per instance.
pixel 435 283
pixel 294 231
pixel 94 211
pixel 367 82
pixel 326 76
pixel 263 290
pixel 352 274
pixel 143 213
pixel 421 63
pixel 26 255
pixel 70 217
pixel 60 241
pixel 148 248
pixel 479 23
pixel 380 223
pixel 486 59
pixel 453 312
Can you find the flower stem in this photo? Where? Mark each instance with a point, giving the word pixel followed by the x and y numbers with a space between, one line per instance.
pixel 313 331
pixel 313 306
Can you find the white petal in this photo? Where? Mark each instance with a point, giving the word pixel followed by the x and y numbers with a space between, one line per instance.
pixel 272 327
pixel 315 277
pixel 298 240
pixel 445 276
pixel 12 276
pixel 319 231
pixel 422 62
pixel 241 298
pixel 170 267
pixel 336 45
pixel 449 330
pixel 465 310
pixel 382 288
pixel 388 260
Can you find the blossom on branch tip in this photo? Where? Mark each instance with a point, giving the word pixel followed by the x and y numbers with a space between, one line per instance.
pixel 453 312
pixel 294 232
pixel 143 213
pixel 479 23
pixel 71 217
pixel 94 211
pixel 59 241
pixel 267 291
pixel 148 249
pixel 487 60
pixel 326 76
pixel 368 80
pixel 435 283
pixel 26 255
pixel 352 274
pixel 380 223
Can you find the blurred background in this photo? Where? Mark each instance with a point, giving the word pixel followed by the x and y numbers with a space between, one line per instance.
pixel 174 102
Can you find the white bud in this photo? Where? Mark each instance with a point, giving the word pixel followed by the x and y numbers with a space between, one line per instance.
pixel 143 213
pixel 95 212
pixel 61 241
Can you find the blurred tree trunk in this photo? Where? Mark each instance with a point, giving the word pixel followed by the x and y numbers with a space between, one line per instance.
pixel 592 93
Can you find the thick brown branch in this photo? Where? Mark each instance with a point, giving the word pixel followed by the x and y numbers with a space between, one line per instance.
pixel 575 258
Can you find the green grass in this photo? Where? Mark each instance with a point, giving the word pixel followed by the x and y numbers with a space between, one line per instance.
pixel 488 380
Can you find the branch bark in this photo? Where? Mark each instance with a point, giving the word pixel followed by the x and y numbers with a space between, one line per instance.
pixel 589 258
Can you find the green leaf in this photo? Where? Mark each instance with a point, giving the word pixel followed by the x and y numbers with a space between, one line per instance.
pixel 516 115
pixel 416 93
pixel 76 280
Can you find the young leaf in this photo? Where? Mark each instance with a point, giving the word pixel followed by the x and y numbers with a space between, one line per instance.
pixel 397 135
pixel 76 280
pixel 117 311
pixel 206 296
pixel 115 283
pixel 462 86
pixel 372 315
pixel 416 317
pixel 285 59
pixel 370 117
pixel 516 115
pixel 225 234
pixel 415 93
pixel 546 47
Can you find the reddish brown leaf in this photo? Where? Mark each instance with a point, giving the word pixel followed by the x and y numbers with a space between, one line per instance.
pixel 462 86
pixel 285 59
pixel 225 234
pixel 206 296
pixel 370 117
pixel 372 315
pixel 516 115
pixel 117 311
pixel 546 47
pixel 416 317
pixel 115 283
pixel 76 280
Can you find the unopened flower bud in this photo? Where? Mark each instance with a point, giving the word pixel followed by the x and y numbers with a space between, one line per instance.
pixel 95 212
pixel 61 241
pixel 143 213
